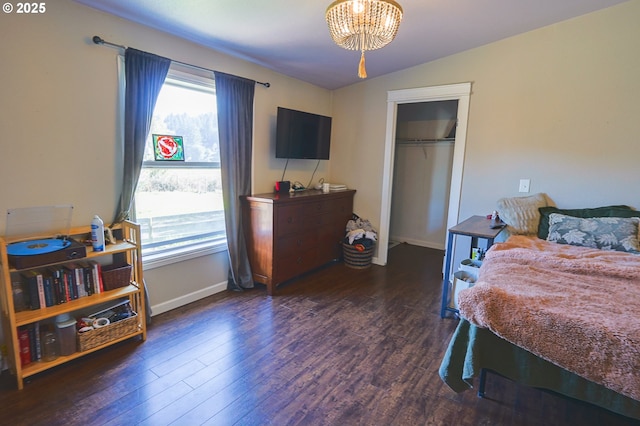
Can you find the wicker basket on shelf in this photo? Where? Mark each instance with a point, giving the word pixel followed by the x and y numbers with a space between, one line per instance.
pixel 116 276
pixel 356 259
pixel 99 336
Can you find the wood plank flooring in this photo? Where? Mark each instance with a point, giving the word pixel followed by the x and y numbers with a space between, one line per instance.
pixel 336 347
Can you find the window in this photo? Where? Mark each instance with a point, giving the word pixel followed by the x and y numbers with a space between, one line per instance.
pixel 179 203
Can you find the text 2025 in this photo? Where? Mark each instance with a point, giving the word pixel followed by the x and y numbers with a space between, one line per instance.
pixel 31 7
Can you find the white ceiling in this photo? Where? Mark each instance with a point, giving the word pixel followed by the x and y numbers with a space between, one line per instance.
pixel 291 36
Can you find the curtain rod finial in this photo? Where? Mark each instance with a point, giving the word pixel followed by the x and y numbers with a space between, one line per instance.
pixel 97 40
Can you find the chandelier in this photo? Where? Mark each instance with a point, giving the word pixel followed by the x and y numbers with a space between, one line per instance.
pixel 363 25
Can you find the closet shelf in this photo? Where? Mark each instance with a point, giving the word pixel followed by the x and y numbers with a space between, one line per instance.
pixel 405 141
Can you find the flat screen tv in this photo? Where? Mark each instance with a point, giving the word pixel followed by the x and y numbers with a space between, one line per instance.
pixel 302 135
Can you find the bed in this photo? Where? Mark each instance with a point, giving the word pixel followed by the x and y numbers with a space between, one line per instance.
pixel 473 351
pixel 558 312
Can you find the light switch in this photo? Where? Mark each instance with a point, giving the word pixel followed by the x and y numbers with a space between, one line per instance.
pixel 524 185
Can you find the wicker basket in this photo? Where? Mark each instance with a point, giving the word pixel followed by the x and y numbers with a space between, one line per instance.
pixel 116 276
pixel 357 259
pixel 99 336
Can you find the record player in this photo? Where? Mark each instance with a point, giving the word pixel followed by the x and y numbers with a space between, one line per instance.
pixel 39 236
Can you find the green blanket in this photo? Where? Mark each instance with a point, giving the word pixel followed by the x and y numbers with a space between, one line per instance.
pixel 472 348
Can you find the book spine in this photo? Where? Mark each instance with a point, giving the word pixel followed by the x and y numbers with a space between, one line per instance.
pixel 31 329
pixel 25 350
pixel 71 283
pixel 55 285
pixel 31 285
pixel 100 277
pixel 32 288
pixel 88 280
pixel 95 275
pixel 41 295
pixel 74 285
pixel 38 343
pixel 48 291
pixel 58 285
pixel 65 285
pixel 80 282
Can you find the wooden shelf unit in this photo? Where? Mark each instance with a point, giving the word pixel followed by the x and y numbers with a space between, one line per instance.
pixel 126 249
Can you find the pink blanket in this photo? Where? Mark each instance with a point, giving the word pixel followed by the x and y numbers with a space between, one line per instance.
pixel 576 307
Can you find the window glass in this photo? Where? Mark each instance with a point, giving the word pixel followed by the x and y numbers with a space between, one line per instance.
pixel 179 202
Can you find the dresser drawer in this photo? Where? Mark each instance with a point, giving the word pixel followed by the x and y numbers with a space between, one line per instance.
pixel 289 219
pixel 318 220
pixel 317 207
pixel 290 245
pixel 342 207
pixel 288 267
pixel 336 206
pixel 329 245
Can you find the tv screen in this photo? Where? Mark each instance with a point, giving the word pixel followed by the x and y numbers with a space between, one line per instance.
pixel 302 135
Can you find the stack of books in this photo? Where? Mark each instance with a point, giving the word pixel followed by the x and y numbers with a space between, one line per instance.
pixel 337 187
pixel 46 287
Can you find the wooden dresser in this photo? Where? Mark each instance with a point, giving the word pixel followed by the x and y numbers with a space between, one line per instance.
pixel 292 233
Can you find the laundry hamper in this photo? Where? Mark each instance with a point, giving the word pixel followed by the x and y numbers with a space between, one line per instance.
pixel 356 259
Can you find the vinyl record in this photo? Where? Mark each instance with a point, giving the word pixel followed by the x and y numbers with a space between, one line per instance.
pixel 28 248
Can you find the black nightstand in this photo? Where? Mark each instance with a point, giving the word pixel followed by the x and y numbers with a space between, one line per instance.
pixel 474 227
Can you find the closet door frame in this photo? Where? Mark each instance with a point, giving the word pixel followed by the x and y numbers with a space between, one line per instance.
pixel 460 92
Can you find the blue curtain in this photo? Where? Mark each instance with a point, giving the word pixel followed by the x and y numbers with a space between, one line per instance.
pixel 144 77
pixel 235 127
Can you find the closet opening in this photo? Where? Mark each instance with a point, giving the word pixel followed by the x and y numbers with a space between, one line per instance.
pixel 423 161
pixel 459 94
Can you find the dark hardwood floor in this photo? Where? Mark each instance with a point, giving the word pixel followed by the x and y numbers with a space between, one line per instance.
pixel 337 347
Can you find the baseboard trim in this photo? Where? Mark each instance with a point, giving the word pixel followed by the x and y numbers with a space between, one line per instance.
pixel 420 243
pixel 187 298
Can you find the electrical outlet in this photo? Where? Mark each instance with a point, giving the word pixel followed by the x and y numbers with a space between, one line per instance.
pixel 524 185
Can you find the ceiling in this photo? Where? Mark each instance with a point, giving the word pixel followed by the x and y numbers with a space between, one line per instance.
pixel 291 36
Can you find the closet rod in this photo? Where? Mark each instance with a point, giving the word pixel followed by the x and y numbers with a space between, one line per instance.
pixel 423 141
pixel 99 40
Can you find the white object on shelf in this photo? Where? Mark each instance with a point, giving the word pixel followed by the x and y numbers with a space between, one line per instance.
pixel 97 233
pixel 471 267
pixel 337 187
pixel 461 281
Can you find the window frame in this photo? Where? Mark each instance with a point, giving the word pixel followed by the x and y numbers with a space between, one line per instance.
pixel 200 81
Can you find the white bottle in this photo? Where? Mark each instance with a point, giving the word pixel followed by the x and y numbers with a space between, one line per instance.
pixel 97 233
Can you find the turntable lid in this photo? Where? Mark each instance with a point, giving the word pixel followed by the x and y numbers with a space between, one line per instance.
pixel 31 222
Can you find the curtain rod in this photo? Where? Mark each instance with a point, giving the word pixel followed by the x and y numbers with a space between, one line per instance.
pixel 99 40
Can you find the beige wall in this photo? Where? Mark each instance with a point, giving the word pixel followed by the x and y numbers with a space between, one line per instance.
pixel 558 105
pixel 58 95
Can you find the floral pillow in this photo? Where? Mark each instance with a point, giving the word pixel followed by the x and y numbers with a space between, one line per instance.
pixel 607 233
pixel 605 211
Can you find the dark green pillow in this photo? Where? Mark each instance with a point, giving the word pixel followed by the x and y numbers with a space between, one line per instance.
pixel 606 211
